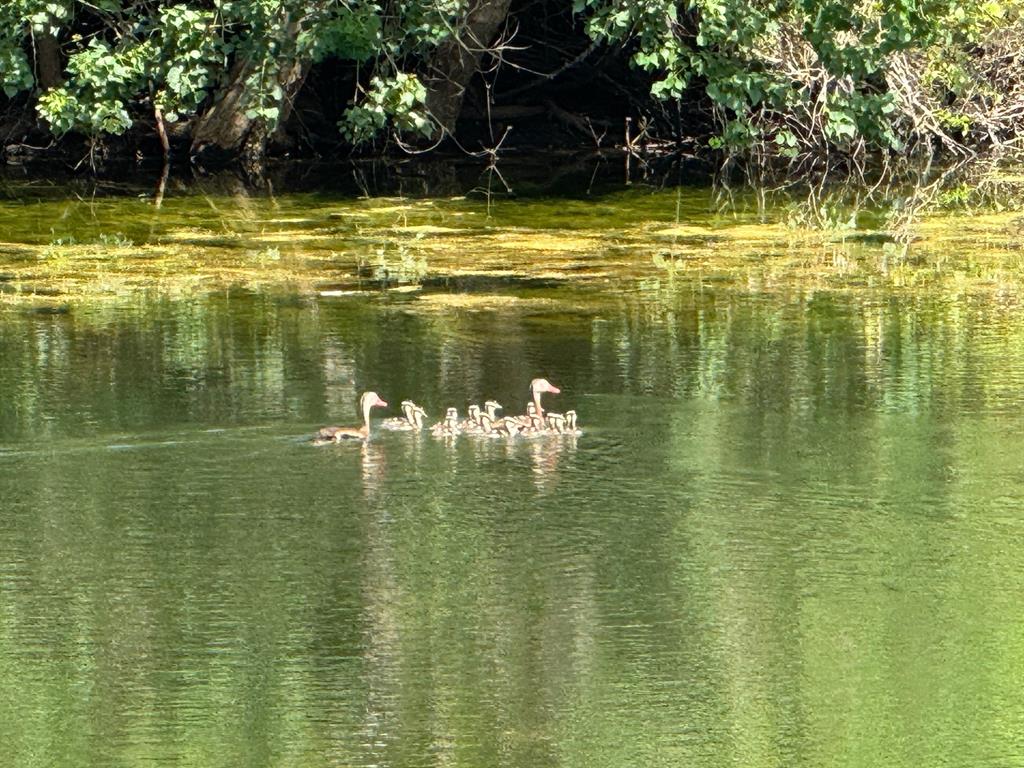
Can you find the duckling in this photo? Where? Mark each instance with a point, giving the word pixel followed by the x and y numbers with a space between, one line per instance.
pixel 570 424
pixel 491 408
pixel 526 420
pixel 555 423
pixel 472 422
pixel 418 416
pixel 509 427
pixel 536 427
pixel 407 421
pixel 449 427
pixel 487 427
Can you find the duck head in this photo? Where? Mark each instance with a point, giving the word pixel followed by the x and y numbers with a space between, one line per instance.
pixel 368 401
pixel 540 386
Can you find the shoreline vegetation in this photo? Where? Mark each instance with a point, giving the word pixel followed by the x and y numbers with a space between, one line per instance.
pixel 208 82
pixel 955 233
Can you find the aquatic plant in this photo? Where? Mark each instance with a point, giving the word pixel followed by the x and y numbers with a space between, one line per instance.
pixel 958 231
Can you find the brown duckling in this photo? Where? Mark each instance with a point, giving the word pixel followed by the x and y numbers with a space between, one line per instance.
pixel 536 427
pixel 419 417
pixel 449 427
pixel 472 421
pixel 488 427
pixel 491 408
pixel 411 419
pixel 570 424
pixel 508 426
pixel 555 423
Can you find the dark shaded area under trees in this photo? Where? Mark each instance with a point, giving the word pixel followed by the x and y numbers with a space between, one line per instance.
pixel 215 81
pixel 543 80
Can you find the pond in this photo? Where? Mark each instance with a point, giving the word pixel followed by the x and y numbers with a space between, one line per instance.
pixel 789 534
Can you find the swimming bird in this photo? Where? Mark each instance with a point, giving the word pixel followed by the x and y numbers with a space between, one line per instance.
pixel 508 426
pixel 472 422
pixel 367 401
pixel 487 427
pixel 536 426
pixel 491 408
pixel 410 420
pixel 526 420
pixel 555 423
pixel 449 427
pixel 418 415
pixel 539 387
pixel 400 422
pixel 570 424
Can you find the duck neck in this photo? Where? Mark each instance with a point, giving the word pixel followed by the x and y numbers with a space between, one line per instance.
pixel 367 405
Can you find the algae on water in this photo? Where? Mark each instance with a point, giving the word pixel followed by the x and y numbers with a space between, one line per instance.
pixel 97 252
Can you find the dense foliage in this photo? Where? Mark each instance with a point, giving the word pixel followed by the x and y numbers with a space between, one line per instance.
pixel 820 73
pixel 122 59
pixel 784 76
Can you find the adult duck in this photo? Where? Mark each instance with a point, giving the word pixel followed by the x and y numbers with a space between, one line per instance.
pixel 367 401
pixel 534 409
pixel 539 387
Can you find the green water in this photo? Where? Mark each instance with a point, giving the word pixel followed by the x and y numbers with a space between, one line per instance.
pixel 789 535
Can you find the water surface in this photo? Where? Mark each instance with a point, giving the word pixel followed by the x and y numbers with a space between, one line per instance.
pixel 789 534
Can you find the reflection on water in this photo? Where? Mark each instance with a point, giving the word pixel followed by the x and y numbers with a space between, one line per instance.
pixel 789 534
pixel 373 465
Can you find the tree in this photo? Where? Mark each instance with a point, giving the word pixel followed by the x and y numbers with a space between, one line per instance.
pixel 821 74
pixel 775 76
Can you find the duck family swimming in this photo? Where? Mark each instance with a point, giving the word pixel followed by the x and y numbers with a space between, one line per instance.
pixel 483 423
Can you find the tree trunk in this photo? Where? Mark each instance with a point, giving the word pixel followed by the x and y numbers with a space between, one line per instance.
pixel 224 126
pixel 49 71
pixel 456 61
pixel 226 129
